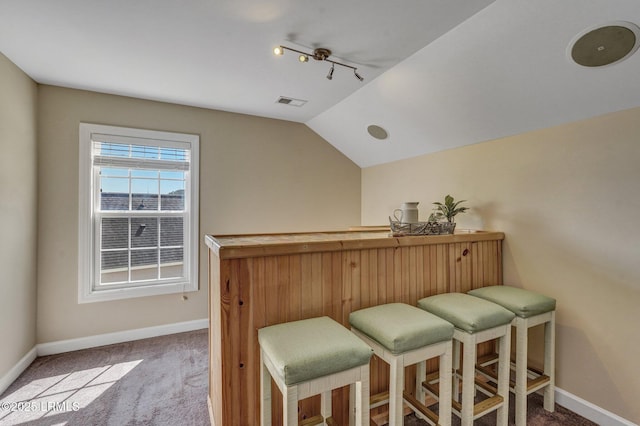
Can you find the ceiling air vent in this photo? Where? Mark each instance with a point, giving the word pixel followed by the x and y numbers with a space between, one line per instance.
pixel 291 101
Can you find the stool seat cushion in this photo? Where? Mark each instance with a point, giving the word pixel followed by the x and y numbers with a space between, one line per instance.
pixel 307 349
pixel 467 313
pixel 400 327
pixel 524 303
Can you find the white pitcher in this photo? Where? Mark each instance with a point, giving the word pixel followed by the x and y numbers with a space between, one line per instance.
pixel 408 213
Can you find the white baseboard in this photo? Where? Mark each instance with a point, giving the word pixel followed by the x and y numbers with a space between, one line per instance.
pixel 589 411
pixel 12 375
pixel 61 346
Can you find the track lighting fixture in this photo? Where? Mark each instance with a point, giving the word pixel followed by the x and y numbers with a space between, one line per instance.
pixel 319 54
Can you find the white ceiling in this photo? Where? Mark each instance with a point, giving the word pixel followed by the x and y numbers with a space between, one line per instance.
pixel 438 73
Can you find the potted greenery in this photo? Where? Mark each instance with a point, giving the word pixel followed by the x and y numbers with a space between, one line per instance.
pixel 447 210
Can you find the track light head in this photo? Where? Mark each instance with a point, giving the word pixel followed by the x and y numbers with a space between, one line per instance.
pixel 358 76
pixel 303 58
pixel 278 51
pixel 330 75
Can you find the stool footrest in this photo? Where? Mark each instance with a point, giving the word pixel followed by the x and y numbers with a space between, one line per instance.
pixel 411 405
pixel 430 385
pixel 417 405
pixel 432 388
pixel 480 408
pixel 487 387
pixel 532 384
pixel 433 377
pixel 312 421
pixel 487 405
pixel 378 399
pixel 492 358
pixel 537 383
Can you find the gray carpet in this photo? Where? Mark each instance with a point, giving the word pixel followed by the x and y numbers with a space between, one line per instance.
pixel 159 381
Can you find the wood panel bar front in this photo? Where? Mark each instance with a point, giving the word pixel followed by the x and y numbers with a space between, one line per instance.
pixel 261 280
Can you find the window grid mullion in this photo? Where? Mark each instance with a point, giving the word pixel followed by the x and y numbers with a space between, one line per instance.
pixel 158 230
pixel 158 276
pixel 97 230
pixel 143 213
pixel 129 249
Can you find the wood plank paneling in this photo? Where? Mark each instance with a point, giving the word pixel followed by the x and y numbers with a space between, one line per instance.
pixel 250 292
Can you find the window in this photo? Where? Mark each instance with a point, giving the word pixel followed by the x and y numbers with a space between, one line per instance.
pixel 138 212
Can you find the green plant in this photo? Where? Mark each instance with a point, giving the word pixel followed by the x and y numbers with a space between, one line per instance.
pixel 449 209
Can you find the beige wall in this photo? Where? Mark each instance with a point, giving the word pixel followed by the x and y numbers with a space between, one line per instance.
pixel 568 201
pixel 18 212
pixel 257 175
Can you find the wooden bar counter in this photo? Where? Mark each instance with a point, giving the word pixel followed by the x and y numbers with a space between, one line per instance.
pixel 260 280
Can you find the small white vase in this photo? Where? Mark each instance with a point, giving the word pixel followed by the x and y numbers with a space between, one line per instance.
pixel 408 213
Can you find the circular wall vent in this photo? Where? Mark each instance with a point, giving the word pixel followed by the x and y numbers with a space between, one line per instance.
pixel 604 45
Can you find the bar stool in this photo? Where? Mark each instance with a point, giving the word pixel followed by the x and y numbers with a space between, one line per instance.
pixel 531 309
pixel 404 335
pixel 476 321
pixel 311 357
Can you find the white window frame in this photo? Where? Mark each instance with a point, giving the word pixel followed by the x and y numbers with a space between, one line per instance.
pixel 88 238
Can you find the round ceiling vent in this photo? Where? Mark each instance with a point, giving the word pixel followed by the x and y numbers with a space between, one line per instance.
pixel 377 132
pixel 597 47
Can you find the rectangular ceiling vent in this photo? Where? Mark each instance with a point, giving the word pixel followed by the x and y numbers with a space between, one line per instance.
pixel 291 101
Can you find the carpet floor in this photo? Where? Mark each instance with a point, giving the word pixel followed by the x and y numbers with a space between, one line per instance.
pixel 159 381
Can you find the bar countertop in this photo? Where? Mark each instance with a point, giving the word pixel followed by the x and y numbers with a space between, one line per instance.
pixel 251 245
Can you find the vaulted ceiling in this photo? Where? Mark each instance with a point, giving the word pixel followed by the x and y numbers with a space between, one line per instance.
pixel 438 74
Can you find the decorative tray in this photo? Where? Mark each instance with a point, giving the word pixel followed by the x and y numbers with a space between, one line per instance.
pixel 399 229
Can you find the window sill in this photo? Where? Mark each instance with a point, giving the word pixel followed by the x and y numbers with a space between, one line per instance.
pixel 134 292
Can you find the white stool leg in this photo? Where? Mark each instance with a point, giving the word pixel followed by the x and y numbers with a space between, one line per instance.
pixel 352 404
pixel 265 397
pixel 521 371
pixel 421 375
pixel 549 362
pixel 362 397
pixel 504 367
pixel 290 406
pixel 468 382
pixel 444 402
pixel 325 406
pixel 396 387
pixel 456 370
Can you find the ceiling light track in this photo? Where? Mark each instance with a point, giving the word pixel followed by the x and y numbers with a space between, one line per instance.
pixel 319 54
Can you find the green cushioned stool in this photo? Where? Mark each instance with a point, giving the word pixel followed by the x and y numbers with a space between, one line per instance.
pixel 311 357
pixel 404 335
pixel 531 309
pixel 475 321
